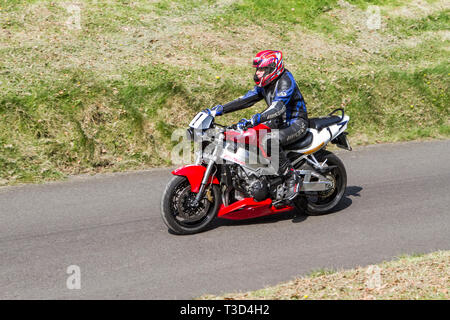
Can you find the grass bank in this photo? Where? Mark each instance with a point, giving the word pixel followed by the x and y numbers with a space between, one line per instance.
pixel 101 85
pixel 409 277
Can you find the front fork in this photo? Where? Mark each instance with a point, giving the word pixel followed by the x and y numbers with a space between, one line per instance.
pixel 201 192
pixel 209 168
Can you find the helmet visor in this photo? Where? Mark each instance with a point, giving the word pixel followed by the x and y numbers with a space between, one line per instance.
pixel 263 71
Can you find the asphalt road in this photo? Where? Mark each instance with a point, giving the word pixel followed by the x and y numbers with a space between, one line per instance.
pixel 397 202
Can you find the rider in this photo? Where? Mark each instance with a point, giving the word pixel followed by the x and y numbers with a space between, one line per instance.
pixel 286 109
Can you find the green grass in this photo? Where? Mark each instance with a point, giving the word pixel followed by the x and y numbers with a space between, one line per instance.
pixel 107 97
pixel 438 21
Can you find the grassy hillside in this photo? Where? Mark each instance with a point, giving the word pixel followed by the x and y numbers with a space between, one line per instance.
pixel 410 277
pixel 107 95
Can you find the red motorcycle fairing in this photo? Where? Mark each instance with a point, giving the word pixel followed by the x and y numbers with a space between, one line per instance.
pixel 252 136
pixel 194 174
pixel 248 208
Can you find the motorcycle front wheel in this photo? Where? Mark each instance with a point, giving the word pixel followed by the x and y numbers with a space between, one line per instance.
pixel 181 217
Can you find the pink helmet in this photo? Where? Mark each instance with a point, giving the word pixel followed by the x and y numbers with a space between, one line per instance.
pixel 273 61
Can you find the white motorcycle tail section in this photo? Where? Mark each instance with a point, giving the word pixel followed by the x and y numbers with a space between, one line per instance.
pixel 323 137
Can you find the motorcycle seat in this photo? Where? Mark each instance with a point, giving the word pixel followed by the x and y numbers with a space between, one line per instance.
pixel 323 122
pixel 300 143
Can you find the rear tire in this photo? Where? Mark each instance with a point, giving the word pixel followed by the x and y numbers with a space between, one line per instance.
pixel 324 202
pixel 180 218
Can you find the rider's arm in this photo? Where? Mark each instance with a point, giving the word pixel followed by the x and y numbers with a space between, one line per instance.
pixel 246 101
pixel 276 109
pixel 283 94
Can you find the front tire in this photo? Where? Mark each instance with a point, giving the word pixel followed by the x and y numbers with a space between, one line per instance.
pixel 176 213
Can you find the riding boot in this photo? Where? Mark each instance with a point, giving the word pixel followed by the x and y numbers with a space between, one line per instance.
pixel 293 184
pixel 292 179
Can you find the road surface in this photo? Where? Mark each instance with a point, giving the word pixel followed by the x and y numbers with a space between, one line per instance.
pixel 397 202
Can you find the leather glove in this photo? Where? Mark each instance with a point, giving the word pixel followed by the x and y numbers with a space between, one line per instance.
pixel 256 119
pixel 243 124
pixel 215 111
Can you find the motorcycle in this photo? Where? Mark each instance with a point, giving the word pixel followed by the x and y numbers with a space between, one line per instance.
pixel 223 183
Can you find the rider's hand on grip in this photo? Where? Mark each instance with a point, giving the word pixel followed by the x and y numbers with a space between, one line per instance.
pixel 244 124
pixel 215 111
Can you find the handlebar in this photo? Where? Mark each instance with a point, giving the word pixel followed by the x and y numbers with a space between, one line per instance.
pixel 232 127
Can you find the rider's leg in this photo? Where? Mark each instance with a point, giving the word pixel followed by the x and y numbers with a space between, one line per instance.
pixel 294 132
pixel 292 179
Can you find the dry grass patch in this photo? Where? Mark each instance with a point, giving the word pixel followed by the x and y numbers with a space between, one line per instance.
pixel 409 277
pixel 419 8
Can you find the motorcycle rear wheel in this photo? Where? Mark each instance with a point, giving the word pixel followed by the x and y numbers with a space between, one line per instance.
pixel 323 202
pixel 176 213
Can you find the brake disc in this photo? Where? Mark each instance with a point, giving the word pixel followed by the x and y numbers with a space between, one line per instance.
pixel 191 214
